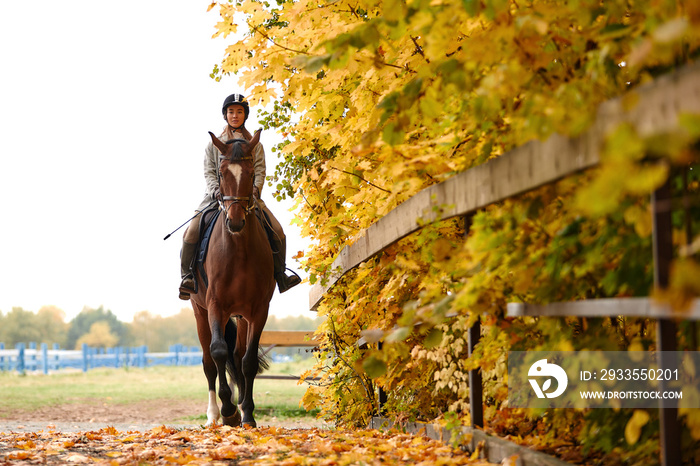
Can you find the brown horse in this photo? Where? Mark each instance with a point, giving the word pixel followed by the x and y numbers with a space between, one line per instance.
pixel 241 283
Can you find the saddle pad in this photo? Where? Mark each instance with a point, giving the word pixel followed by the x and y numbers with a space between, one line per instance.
pixel 209 218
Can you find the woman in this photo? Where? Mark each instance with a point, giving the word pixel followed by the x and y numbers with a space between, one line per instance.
pixel 235 111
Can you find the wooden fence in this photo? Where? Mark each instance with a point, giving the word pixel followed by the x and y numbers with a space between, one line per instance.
pixel 659 105
pixel 30 358
pixel 40 358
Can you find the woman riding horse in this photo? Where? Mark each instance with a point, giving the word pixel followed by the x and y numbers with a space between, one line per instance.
pixel 236 111
pixel 231 309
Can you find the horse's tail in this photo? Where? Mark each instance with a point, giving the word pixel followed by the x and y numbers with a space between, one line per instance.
pixel 230 336
pixel 263 361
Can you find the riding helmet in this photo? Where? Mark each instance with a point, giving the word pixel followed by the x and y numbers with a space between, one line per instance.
pixel 237 99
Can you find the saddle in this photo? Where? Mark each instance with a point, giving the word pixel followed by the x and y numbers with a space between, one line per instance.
pixel 206 226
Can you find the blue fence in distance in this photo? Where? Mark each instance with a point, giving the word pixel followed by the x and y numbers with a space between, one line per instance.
pixel 30 358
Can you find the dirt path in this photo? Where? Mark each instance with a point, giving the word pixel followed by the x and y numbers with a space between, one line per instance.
pixel 144 415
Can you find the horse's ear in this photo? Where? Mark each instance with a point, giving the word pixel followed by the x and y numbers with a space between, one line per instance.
pixel 218 143
pixel 256 138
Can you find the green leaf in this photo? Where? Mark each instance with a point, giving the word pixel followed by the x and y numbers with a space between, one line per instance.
pixel 393 135
pixel 413 88
pixel 572 229
pixel 691 123
pixel 314 64
pixel 614 30
pixel 471 6
pixel 388 103
pixel 370 35
pixel 400 334
pixel 646 178
pixel 433 338
pixel 430 107
pixel 374 367
pixel 623 145
pixel 443 306
pixel 393 10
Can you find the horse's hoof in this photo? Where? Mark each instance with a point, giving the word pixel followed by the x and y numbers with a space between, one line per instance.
pixel 233 421
pixel 249 424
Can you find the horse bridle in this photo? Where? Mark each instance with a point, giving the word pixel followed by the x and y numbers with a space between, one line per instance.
pixel 236 199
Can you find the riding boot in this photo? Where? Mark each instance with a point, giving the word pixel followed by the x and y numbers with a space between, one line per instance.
pixel 186 258
pixel 284 281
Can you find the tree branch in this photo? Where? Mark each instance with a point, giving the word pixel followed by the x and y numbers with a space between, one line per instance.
pixel 336 350
pixel 256 29
pixel 368 182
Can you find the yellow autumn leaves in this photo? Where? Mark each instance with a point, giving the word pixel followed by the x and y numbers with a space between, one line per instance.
pixel 393 96
pixel 633 429
pixel 222 445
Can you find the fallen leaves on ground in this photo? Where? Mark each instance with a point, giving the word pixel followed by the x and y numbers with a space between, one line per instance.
pixel 225 445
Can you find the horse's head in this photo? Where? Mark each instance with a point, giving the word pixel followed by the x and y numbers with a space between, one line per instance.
pixel 236 176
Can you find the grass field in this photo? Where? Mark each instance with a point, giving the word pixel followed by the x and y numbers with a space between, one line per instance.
pixel 279 398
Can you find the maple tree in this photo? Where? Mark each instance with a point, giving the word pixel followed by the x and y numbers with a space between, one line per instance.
pixel 99 335
pixel 380 99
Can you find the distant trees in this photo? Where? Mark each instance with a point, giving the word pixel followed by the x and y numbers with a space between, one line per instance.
pixel 51 324
pixel 100 336
pixel 19 325
pixel 101 328
pixel 82 325
pixel 158 332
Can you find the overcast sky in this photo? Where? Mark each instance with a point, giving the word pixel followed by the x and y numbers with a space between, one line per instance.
pixel 104 113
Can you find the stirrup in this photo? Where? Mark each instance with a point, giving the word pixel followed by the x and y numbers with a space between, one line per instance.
pixel 285 282
pixel 186 287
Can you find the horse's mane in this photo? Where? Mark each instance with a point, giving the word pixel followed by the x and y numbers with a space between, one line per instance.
pixel 237 153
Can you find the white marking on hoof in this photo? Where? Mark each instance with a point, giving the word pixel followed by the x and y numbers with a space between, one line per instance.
pixel 213 413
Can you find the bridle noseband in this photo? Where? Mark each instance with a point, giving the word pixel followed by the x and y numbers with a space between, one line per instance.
pixel 236 199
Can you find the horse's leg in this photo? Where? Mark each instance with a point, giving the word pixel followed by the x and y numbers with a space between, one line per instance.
pixel 241 344
pixel 203 331
pixel 251 364
pixel 233 365
pixel 219 353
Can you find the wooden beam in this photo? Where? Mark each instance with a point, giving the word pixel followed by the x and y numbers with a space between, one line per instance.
pixel 287 338
pixel 493 449
pixel 284 377
pixel 629 307
pixel 532 165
